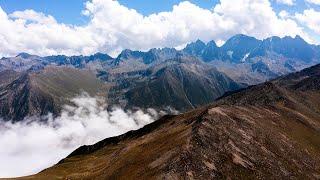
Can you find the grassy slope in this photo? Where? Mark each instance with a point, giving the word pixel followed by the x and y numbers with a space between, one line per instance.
pixel 37 93
pixel 63 83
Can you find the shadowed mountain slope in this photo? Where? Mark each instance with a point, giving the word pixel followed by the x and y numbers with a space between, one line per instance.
pixel 7 76
pixel 182 83
pixel 268 131
pixel 37 93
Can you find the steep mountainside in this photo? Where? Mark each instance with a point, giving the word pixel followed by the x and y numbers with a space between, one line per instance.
pixel 37 93
pixel 268 131
pixel 238 48
pixel 180 85
pixel 7 76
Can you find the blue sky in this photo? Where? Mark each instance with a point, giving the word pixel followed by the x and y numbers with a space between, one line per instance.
pixel 69 11
pixel 66 11
pixel 46 27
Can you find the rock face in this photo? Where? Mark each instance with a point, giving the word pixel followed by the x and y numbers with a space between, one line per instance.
pixel 295 48
pixel 241 48
pixel 240 55
pixel 238 47
pixel 181 84
pixel 268 131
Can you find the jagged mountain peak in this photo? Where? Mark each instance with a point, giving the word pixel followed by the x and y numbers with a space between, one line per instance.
pixel 124 52
pixel 238 47
pixel 195 47
pixel 240 39
pixel 206 52
pixel 128 54
pixel 198 41
pixel 100 56
pixel 212 43
pixel 285 38
pixel 295 48
pixel 24 55
pixel 299 37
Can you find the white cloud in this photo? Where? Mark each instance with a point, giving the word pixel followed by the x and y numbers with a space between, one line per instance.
pixel 311 19
pixel 31 146
pixel 286 2
pixel 113 27
pixel 32 16
pixel 317 2
pixel 284 14
pixel 33 32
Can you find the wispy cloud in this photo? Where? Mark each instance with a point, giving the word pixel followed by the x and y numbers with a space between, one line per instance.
pixel 316 2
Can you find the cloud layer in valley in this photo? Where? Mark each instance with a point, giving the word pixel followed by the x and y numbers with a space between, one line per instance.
pixel 31 146
pixel 113 27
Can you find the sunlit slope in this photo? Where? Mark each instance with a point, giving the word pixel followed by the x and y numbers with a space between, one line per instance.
pixel 267 131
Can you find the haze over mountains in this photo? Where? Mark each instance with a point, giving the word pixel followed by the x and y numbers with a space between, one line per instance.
pixel 159 78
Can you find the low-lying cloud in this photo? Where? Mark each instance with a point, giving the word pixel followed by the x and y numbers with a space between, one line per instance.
pixel 30 146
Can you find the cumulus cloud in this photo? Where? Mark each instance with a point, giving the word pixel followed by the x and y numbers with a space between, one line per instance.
pixel 32 145
pixel 113 27
pixel 311 19
pixel 286 2
pixel 316 2
pixel 283 14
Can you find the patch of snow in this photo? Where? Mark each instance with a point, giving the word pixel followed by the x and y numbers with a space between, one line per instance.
pixel 245 57
pixel 230 53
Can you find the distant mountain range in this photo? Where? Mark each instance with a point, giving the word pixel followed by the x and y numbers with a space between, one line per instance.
pixel 159 78
pixel 251 61
pixel 265 59
pixel 270 130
